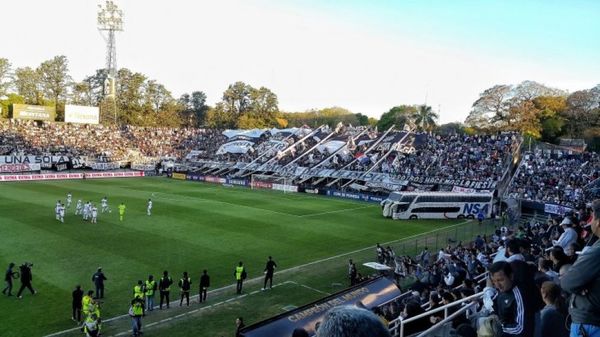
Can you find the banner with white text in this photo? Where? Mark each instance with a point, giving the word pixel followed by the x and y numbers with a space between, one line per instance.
pixel 82 114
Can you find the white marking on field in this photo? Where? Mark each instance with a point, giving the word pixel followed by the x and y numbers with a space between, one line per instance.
pixel 336 211
pixel 311 288
pixel 183 197
pixel 281 272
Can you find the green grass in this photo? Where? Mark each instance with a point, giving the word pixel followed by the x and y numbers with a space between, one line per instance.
pixel 194 226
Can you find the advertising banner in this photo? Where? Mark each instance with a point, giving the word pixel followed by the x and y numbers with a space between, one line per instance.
pixel 14 168
pixel 372 294
pixel 124 174
pixel 105 166
pixel 65 176
pixel 82 114
pixel 44 161
pixel 556 209
pixel 180 176
pixel 34 112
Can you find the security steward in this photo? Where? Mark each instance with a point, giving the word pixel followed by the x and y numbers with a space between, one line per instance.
pixel 164 286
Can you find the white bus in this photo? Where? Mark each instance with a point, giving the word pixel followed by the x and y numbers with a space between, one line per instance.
pixel 436 205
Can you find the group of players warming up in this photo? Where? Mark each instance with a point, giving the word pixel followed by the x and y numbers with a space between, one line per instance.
pixel 88 210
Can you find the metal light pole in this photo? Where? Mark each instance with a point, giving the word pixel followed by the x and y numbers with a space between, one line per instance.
pixel 110 20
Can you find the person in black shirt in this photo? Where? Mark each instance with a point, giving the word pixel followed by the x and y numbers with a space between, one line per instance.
pixel 98 278
pixel 204 284
pixel 8 278
pixel 164 286
pixel 515 308
pixel 26 279
pixel 185 285
pixel 269 271
pixel 77 303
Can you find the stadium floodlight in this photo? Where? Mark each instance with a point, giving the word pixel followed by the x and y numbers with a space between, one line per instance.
pixel 110 20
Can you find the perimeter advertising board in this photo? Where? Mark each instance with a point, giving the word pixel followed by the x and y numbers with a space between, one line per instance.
pixel 33 112
pixel 82 114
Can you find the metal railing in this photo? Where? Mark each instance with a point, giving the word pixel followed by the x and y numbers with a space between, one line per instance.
pixel 397 326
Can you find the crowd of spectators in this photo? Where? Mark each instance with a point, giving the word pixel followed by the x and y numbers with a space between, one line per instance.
pixel 555 177
pixel 526 274
pixel 22 137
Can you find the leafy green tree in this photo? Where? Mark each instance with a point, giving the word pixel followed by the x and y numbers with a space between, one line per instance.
pixel 9 101
pixel 398 115
pixel 27 85
pixel 363 120
pixel 98 85
pixel 491 107
pixel 82 94
pixel 425 118
pixel 550 110
pixel 451 129
pixel 582 111
pixel 263 108
pixel 5 76
pixel 54 78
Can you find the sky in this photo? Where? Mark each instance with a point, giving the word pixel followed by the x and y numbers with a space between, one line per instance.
pixel 366 56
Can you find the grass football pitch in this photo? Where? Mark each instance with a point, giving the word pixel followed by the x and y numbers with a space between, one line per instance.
pixel 194 226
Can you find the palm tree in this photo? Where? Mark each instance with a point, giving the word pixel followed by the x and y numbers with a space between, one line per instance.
pixel 425 118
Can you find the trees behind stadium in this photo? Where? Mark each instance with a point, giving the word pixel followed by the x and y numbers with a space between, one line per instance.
pixel 534 110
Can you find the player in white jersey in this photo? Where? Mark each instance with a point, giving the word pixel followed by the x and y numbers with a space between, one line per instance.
pixel 149 211
pixel 104 204
pixel 78 207
pixel 94 214
pixel 61 213
pixel 57 211
pixel 69 198
pixel 86 211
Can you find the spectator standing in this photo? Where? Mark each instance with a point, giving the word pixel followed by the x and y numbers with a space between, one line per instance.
pixel 583 283
pixel 98 278
pixel 515 309
pixel 552 316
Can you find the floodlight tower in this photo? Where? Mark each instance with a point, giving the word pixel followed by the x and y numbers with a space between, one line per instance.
pixel 110 20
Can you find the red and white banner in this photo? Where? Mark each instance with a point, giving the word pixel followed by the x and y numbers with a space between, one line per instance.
pixel 69 176
pixel 14 168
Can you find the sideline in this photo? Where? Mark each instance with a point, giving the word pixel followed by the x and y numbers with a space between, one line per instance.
pixel 280 272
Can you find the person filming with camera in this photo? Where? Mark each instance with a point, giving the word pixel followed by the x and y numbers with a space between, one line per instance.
pixel 26 278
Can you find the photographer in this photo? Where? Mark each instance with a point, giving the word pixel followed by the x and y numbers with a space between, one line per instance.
pixel 8 277
pixel 26 278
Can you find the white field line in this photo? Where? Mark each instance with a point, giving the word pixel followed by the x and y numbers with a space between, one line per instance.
pixel 311 288
pixel 336 211
pixel 185 197
pixel 289 270
pixel 187 313
pixel 221 202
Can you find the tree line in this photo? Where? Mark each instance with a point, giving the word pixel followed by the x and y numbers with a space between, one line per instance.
pixel 538 112
pixel 535 110
pixel 145 102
